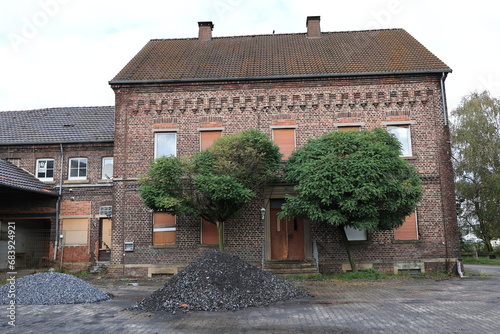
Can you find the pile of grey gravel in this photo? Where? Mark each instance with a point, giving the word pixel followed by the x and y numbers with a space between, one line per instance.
pixel 219 282
pixel 51 289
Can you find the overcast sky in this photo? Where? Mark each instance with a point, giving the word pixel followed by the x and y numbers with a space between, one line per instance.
pixel 62 53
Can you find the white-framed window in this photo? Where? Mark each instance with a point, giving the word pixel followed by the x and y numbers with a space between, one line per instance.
pixel 355 234
pixel 77 169
pixel 45 169
pixel 107 168
pixel 165 144
pixel 403 134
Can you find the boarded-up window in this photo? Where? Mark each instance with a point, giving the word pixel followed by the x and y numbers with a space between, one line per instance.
pixel 164 228
pixel 209 234
pixel 207 138
pixel 75 231
pixel 349 128
pixel 409 229
pixel 285 139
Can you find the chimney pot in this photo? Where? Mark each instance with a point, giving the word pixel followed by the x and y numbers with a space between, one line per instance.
pixel 313 27
pixel 205 30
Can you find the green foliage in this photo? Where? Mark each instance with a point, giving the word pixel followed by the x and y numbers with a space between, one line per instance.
pixel 352 178
pixel 476 150
pixel 480 260
pixel 214 184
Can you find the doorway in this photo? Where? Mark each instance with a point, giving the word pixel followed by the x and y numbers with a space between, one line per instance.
pixel 287 235
pixel 104 239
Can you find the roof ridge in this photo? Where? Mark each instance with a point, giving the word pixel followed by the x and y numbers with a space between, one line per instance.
pixel 280 34
pixel 55 108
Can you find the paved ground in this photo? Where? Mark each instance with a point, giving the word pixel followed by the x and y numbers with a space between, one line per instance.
pixel 489 269
pixel 467 305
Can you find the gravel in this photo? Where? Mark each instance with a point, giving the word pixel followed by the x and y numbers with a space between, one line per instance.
pixel 51 289
pixel 219 282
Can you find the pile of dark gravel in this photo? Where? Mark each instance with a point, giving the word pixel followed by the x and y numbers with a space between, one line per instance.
pixel 51 289
pixel 218 282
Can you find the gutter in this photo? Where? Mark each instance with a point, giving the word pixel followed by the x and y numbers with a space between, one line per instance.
pixel 274 77
pixel 60 143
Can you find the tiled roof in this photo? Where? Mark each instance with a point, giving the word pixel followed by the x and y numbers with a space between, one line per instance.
pixel 57 125
pixel 268 56
pixel 14 177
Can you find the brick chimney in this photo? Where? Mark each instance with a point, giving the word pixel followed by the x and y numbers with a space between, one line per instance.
pixel 313 28
pixel 205 31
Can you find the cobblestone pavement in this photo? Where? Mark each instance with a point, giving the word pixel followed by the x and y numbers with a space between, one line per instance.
pixel 466 305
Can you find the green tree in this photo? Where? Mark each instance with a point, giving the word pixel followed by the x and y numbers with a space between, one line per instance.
pixel 352 178
pixel 215 184
pixel 475 134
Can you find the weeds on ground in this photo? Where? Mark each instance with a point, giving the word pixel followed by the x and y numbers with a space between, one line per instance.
pixel 480 260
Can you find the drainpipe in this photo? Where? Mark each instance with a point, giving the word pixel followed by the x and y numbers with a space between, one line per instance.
pixel 61 165
pixel 443 99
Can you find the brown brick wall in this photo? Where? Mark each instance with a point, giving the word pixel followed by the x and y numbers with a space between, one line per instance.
pixel 313 106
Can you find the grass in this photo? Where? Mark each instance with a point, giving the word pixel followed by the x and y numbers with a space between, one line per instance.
pixel 480 260
pixel 367 274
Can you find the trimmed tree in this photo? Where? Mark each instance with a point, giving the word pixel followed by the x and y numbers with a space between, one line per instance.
pixel 352 178
pixel 476 151
pixel 215 184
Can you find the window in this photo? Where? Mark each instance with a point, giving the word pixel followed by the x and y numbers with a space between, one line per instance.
pixel 209 235
pixel 355 234
pixel 207 138
pixel 45 169
pixel 285 139
pixel 402 133
pixel 164 229
pixel 107 168
pixel 77 169
pixel 165 144
pixel 409 229
pixel 75 231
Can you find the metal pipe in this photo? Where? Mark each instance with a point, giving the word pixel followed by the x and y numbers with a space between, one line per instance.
pixel 443 98
pixel 58 202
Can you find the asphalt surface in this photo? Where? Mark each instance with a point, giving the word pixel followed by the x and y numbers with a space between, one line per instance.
pixel 488 269
pixel 454 305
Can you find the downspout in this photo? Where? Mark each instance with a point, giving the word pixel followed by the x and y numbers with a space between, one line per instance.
pixel 443 99
pixel 58 202
pixel 445 120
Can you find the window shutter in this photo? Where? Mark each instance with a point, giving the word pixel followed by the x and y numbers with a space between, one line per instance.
pixel 349 128
pixel 407 231
pixel 208 138
pixel 285 139
pixel 209 235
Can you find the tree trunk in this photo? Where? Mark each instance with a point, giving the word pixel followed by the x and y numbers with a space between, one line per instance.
pixel 220 234
pixel 347 247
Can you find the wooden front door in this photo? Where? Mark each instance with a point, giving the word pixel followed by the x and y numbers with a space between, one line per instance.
pixel 105 240
pixel 287 235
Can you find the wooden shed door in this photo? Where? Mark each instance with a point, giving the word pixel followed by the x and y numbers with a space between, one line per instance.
pixel 287 235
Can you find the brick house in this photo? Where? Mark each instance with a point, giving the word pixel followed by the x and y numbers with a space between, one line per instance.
pixel 65 155
pixel 178 95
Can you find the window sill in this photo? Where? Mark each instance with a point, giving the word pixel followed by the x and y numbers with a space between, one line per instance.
pixel 359 242
pixel 163 246
pixel 105 181
pixel 412 157
pixel 406 241
pixel 76 181
pixel 208 245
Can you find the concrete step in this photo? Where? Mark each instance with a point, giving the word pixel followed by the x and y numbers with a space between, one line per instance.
pixel 291 267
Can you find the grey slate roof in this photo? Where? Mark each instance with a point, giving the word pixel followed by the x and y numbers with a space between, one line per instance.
pixel 16 178
pixel 281 55
pixel 57 125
